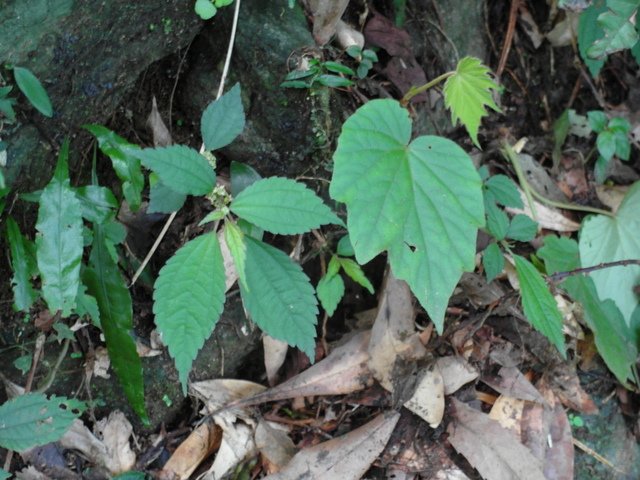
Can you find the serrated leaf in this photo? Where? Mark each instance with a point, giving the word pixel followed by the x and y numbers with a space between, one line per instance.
pixel 497 221
pixel 492 261
pixel 504 191
pixel 98 203
pixel 32 419
pixel 59 240
pixel 467 93
pixel 421 201
pixel 188 300
pixel 618 25
pixel 126 166
pixel 223 120
pixel 163 199
pixel 33 90
pixel 242 175
pixel 608 239
pixel 180 168
pixel 538 304
pixel 330 290
pixel 23 264
pixel 611 333
pixel 353 270
pixel 105 283
pixel 522 228
pixel 588 32
pixel 282 206
pixel 281 300
pixel 235 241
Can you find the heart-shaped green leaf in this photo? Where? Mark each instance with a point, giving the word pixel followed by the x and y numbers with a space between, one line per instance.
pixel 420 200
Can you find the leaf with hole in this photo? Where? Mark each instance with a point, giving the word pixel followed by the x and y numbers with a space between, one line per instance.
pixel 29 84
pixel 33 419
pixel 281 300
pixel 282 206
pixel 223 120
pixel 188 300
pixel 467 92
pixel 421 201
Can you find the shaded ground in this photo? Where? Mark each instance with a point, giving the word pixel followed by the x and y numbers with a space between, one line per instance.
pixel 540 82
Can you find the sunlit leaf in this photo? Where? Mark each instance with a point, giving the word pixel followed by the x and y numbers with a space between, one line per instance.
pixel 420 200
pixel 468 92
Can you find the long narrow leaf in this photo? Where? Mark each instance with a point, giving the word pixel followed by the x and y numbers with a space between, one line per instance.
pixel 22 264
pixel 29 84
pixel 105 283
pixel 59 240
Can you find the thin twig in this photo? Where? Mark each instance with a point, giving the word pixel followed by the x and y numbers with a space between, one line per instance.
pixel 597 456
pixel 508 39
pixel 559 276
pixel 225 72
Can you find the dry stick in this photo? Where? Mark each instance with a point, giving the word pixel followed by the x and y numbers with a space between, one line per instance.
pixel 556 277
pixel 225 72
pixel 508 40
pixel 596 455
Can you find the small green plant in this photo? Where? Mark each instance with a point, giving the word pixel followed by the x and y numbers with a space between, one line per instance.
pixel 315 72
pixel 365 58
pixel 207 9
pixel 612 140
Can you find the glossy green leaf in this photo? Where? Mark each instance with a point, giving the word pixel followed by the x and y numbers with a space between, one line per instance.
pixel 223 120
pixel 242 176
pixel 492 261
pixel 618 25
pixel 608 239
pixel 223 3
pixel 33 419
pixel 355 273
pixel 98 203
pixel 23 265
pixel 105 283
pixel 622 145
pixel 612 335
pixel 497 221
pixel 282 206
pixel 33 90
pixel 126 166
pixel 205 9
pixel 281 300
pixel 504 191
pixel 330 290
pixel 180 168
pixel 588 32
pixel 539 306
pixel 336 67
pixel 606 144
pixel 597 120
pixel 420 200
pixel 59 240
pixel 467 93
pixel 235 241
pixel 522 228
pixel 333 81
pixel 163 199
pixel 188 300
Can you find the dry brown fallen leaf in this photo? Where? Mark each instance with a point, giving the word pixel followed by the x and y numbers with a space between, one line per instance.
pixel 344 371
pixel 507 411
pixel 201 443
pixel 456 372
pixel 511 383
pixel 346 457
pixel 491 449
pixel 275 353
pixel 157 127
pixel 275 446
